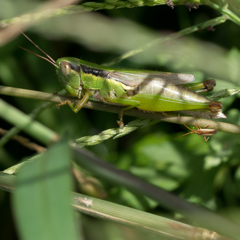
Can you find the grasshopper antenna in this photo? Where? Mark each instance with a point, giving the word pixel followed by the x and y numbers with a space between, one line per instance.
pixel 49 59
pixel 192 131
pixel 53 63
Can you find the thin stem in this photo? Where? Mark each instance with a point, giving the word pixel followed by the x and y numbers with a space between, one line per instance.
pixel 151 223
pixel 16 129
pixel 18 118
pixel 109 172
pixel 20 23
pixel 170 37
pixel 224 10
pixel 88 7
pixel 25 142
pixel 173 118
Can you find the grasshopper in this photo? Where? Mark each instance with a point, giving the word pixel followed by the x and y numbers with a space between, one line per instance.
pixel 201 131
pixel 150 91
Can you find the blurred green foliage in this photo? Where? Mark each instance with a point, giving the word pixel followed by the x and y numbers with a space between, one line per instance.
pixel 207 173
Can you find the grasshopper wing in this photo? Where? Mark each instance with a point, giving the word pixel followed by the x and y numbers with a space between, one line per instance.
pixel 133 78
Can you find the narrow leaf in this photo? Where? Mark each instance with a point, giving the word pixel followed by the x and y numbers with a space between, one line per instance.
pixel 42 197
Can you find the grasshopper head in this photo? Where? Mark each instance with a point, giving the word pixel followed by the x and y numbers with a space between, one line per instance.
pixel 68 71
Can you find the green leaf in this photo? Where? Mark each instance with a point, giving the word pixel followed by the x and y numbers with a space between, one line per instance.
pixel 157 151
pixel 234 60
pixel 224 93
pixel 42 197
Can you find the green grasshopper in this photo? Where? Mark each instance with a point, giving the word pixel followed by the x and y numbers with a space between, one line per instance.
pixel 150 91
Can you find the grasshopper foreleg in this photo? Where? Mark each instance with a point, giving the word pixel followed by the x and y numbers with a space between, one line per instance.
pixel 78 106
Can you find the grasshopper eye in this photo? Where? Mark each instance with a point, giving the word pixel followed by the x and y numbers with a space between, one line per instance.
pixel 65 68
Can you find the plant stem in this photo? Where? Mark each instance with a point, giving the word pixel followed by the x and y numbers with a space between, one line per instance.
pixel 224 10
pixel 173 118
pixel 186 31
pixel 17 118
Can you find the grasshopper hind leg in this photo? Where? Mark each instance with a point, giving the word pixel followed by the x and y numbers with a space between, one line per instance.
pixel 129 103
pixel 120 116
